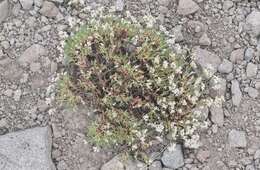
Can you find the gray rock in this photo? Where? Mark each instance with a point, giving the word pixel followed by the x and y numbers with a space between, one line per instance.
pixel 114 164
pixel 26 4
pixel 249 54
pixel 32 54
pixel 208 61
pixel 186 7
pixel 257 154
pixel 173 159
pixel 49 9
pixel 26 150
pixel 237 139
pixel 156 165
pixel 217 114
pixel 203 112
pixel 237 55
pixel 250 167
pixel 203 155
pixel 204 40
pixel 225 67
pixel 252 92
pixel 164 2
pixel 253 20
pixel 236 93
pixel 227 5
pixel 217 87
pixel 4 10
pixel 177 32
pixel 251 70
pixel 38 3
pixel 134 165
pixel 119 5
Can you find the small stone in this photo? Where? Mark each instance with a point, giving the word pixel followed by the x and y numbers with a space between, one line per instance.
pixel 173 158
pixel 38 3
pixel 251 70
pixel 217 114
pixel 227 5
pixel 225 67
pixel 249 54
pixel 203 112
pixel 26 4
pixel 203 155
pixel 156 165
pixel 250 167
pixel 237 139
pixel 28 149
pixel 237 55
pixel 252 92
pixel 208 61
pixel 177 32
pixel 257 154
pixel 186 7
pixel 253 20
pixel 119 5
pixel 32 54
pixel 236 93
pixel 134 165
pixel 164 2
pixel 217 87
pixel 4 10
pixel 204 40
pixel 114 164
pixel 49 9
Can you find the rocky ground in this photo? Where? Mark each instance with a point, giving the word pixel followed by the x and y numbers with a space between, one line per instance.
pixel 222 33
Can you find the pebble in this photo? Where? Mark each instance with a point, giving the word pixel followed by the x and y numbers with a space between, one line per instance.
pixel 251 70
pixel 177 32
pixel 32 54
pixel 236 93
pixel 225 67
pixel 4 10
pixel 253 20
pixel 249 54
pixel 187 7
pixel 217 87
pixel 257 154
pixel 203 155
pixel 237 139
pixel 237 55
pixel 217 114
pixel 49 9
pixel 252 92
pixel 227 5
pixel 204 40
pixel 207 60
pixel 156 165
pixel 26 4
pixel 114 164
pixel 173 159
pixel 119 5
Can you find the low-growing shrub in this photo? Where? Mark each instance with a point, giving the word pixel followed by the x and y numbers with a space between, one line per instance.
pixel 142 90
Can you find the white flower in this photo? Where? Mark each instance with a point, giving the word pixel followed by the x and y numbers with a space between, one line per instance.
pixel 172 147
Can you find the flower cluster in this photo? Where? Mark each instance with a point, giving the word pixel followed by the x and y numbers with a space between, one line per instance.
pixel 142 90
